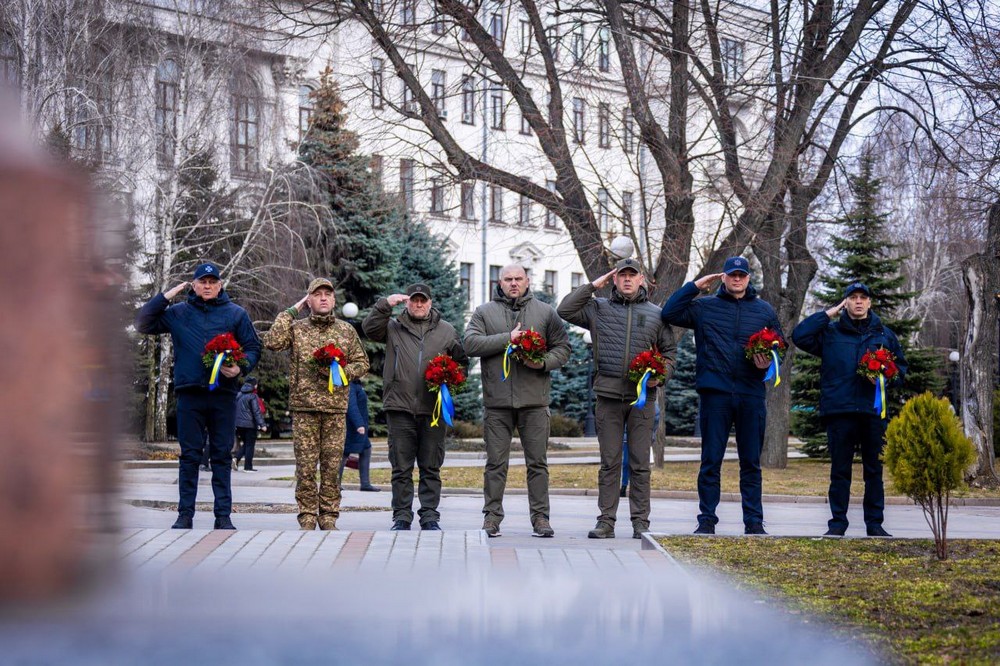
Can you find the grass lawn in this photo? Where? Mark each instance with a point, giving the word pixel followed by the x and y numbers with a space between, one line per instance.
pixel 801 477
pixel 891 592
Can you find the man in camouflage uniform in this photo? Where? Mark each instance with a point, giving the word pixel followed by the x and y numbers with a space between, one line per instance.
pixel 318 416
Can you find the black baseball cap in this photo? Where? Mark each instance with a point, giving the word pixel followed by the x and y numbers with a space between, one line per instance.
pixel 419 289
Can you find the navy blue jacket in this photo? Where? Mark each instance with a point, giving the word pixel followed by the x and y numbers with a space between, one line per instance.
pixel 357 417
pixel 248 408
pixel 722 325
pixel 840 344
pixel 191 325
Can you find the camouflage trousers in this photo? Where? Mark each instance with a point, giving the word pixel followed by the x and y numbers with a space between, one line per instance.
pixel 319 440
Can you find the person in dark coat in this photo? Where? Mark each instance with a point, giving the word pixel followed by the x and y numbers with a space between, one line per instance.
pixel 730 386
pixel 840 336
pixel 249 419
pixel 206 313
pixel 356 440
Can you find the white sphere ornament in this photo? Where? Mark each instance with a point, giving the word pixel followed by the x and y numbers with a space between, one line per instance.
pixel 622 247
pixel 350 310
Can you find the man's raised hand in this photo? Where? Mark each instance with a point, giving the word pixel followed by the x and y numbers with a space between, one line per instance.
pixel 516 333
pixel 706 281
pixel 169 295
pixel 602 281
pixel 396 299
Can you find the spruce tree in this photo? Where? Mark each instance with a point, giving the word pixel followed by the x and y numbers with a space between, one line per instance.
pixel 681 398
pixel 862 252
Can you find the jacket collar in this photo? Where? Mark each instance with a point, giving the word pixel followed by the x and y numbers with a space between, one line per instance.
pixel 749 296
pixel 197 301
pixel 641 296
pixel 322 320
pixel 845 324
pixel 413 326
pixel 512 303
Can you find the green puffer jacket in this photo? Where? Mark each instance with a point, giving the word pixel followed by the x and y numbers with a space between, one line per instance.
pixel 410 344
pixel 307 390
pixel 487 336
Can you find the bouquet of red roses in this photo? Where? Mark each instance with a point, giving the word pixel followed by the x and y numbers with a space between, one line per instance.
pixel 878 366
pixel 645 367
pixel 767 341
pixel 531 347
pixel 222 350
pixel 444 376
pixel 331 360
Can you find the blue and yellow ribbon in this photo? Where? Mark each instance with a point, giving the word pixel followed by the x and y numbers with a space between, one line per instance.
pixel 640 390
pixel 338 378
pixel 880 395
pixel 213 379
pixel 444 407
pixel 511 348
pixel 774 370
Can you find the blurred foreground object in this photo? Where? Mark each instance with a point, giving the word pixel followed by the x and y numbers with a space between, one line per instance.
pixel 55 378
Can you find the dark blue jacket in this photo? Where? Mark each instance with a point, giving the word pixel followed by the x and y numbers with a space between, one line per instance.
pixel 840 344
pixel 191 325
pixel 357 417
pixel 248 408
pixel 722 325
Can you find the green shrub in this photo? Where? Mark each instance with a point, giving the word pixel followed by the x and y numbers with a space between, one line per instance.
pixel 563 426
pixel 927 453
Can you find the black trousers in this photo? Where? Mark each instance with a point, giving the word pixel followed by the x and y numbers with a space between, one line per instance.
pixel 214 412
pixel 413 439
pixel 248 443
pixel 846 433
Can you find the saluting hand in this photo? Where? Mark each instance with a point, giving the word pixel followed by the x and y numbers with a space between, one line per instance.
pixel 302 303
pixel 835 310
pixel 602 281
pixel 396 299
pixel 706 281
pixel 169 295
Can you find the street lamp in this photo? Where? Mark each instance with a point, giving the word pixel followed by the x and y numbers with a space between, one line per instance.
pixel 588 421
pixel 350 310
pixel 953 357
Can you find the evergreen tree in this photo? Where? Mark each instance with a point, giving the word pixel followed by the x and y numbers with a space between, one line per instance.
pixel 681 398
pixel 570 383
pixel 861 252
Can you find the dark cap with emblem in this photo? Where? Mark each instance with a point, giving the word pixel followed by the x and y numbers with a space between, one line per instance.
pixel 736 265
pixel 857 286
pixel 419 289
pixel 207 269
pixel 318 283
pixel 628 265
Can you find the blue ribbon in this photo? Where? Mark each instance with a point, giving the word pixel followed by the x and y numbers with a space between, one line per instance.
pixel 774 370
pixel 337 378
pixel 880 395
pixel 511 348
pixel 640 389
pixel 213 378
pixel 448 411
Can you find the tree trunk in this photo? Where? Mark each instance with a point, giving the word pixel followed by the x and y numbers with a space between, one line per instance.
pixel 659 435
pixel 149 428
pixel 775 453
pixel 163 389
pixel 981 275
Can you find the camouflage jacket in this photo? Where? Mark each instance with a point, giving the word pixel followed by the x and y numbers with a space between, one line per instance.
pixel 307 382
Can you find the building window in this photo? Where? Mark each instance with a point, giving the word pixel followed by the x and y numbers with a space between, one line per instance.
pixel 375 165
pixel 437 92
pixel 549 283
pixel 468 100
pixel 577 45
pixel 409 97
pixel 438 27
pixel 603 125
pixel 496 28
pixel 465 282
pixel 525 125
pixel 575 280
pixel 603 213
pixel 378 92
pixel 628 131
pixel 627 209
pixel 437 196
pixel 579 110
pixel 406 183
pixel 494 279
pixel 604 50
pixel 526 37
pixel 468 201
pixel 10 62
pixel 524 211
pixel 553 36
pixel 306 108
pixel 244 125
pixel 497 110
pixel 550 217
pixel 408 12
pixel 732 59
pixel 496 204
pixel 92 113
pixel 168 79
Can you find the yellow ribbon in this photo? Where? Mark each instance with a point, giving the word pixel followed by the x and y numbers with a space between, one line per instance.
pixel 777 364
pixel 881 391
pixel 639 385
pixel 436 414
pixel 506 359
pixel 213 378
pixel 343 377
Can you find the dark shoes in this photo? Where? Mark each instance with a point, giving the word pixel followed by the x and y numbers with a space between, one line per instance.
pixel 431 525
pixel 400 526
pixel 182 523
pixel 541 528
pixel 602 531
pixel 705 528
pixel 491 528
pixel 224 523
pixel 623 492
pixel 370 489
pixel 836 532
pixel 754 528
pixel 637 530
pixel 877 531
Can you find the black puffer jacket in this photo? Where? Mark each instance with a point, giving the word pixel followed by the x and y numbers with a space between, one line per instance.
pixel 620 329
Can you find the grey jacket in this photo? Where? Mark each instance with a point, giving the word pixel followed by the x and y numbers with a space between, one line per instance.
pixel 409 346
pixel 487 336
pixel 620 330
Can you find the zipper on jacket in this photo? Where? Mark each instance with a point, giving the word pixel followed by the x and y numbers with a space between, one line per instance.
pixel 626 360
